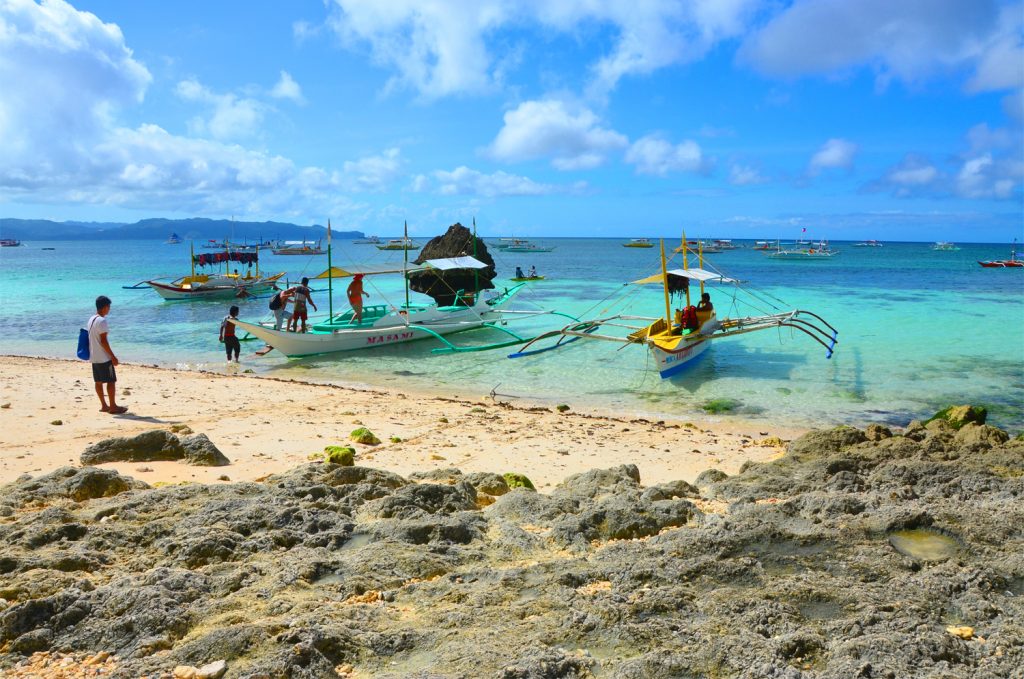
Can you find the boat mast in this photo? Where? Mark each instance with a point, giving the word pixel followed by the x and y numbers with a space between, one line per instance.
pixel 476 272
pixel 330 276
pixel 700 264
pixel 664 284
pixel 685 266
pixel 192 257
pixel 405 262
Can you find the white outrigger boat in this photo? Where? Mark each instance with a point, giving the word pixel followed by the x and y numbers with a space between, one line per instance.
pixel 215 286
pixel 676 341
pixel 384 325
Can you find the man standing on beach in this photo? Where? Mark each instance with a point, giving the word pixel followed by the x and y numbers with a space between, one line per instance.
pixel 102 358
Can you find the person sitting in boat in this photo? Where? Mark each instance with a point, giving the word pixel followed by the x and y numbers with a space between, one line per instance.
pixel 533 272
pixel 519 272
pixel 705 302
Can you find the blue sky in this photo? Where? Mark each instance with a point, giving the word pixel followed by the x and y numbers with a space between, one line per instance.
pixel 730 118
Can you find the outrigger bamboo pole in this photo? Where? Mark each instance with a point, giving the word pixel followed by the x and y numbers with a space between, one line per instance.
pixel 664 282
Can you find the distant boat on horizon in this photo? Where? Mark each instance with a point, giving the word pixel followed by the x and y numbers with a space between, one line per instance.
pixel 175 239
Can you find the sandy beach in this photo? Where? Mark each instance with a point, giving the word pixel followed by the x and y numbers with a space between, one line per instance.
pixel 266 425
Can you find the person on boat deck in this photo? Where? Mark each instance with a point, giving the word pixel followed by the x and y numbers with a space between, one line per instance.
pixel 301 296
pixel 355 294
pixel 227 334
pixel 533 272
pixel 705 302
pixel 519 272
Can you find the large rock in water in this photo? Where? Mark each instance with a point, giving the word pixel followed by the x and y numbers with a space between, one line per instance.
pixel 442 285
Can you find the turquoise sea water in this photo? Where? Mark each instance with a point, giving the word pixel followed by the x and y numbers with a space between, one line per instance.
pixel 918 329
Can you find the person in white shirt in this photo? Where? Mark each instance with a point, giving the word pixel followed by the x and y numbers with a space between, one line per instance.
pixel 103 359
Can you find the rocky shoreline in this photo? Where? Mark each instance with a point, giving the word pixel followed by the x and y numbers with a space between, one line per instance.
pixel 786 569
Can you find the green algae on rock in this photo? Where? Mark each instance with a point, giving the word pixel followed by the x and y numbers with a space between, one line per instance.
pixel 364 436
pixel 958 416
pixel 343 455
pixel 517 480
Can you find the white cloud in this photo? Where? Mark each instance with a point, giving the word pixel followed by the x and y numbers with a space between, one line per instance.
pixel 437 47
pixel 373 173
pixel 287 88
pixel 63 73
pixel 744 175
pixel 834 154
pixel 231 117
pixel 573 139
pixel 63 142
pixel 441 48
pixel 908 40
pixel 654 155
pixel 466 181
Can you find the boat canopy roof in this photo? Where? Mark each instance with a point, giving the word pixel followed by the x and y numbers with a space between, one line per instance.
pixel 441 264
pixel 693 274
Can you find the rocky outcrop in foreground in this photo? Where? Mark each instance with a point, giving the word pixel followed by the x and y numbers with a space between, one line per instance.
pixel 788 569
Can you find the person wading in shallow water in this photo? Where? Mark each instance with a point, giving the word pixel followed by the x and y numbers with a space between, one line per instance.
pixel 102 358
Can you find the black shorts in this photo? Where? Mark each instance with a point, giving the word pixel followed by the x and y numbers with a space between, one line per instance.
pixel 231 343
pixel 104 372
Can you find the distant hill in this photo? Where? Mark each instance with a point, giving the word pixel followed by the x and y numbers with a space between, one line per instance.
pixel 197 229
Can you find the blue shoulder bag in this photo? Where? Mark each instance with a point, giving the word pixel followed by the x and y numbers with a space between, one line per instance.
pixel 83 342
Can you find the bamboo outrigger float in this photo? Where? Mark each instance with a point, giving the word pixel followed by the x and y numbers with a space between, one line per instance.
pixel 677 340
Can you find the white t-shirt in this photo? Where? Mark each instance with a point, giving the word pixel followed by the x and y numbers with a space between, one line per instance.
pixel 97 326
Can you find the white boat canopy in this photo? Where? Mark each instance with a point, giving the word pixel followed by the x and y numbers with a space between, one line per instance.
pixel 692 274
pixel 441 264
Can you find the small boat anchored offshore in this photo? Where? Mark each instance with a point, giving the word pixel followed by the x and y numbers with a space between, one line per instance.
pixel 676 340
pixel 215 286
pixel 405 243
pixel 1011 263
pixel 812 251
pixel 299 247
pixel 638 243
pixel 943 246
pixel 175 239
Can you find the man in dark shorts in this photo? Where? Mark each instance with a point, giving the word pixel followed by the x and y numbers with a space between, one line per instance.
pixel 103 359
pixel 227 334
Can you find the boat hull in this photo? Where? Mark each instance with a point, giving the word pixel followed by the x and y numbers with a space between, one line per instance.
pixel 672 362
pixel 1003 264
pixel 389 330
pixel 178 293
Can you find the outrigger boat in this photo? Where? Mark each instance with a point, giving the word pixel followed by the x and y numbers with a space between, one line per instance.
pixel 369 240
pixel 820 250
pixel 943 246
pixel 868 244
pixel 638 243
pixel 216 286
pixel 175 239
pixel 526 246
pixel 399 244
pixel 385 325
pixel 299 248
pixel 675 341
pixel 1011 263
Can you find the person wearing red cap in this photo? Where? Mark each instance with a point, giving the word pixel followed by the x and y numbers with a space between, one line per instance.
pixel 355 298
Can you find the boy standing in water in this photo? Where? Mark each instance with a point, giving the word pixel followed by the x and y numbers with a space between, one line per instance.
pixel 227 334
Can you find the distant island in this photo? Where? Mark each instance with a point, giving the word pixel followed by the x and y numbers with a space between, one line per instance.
pixel 195 228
